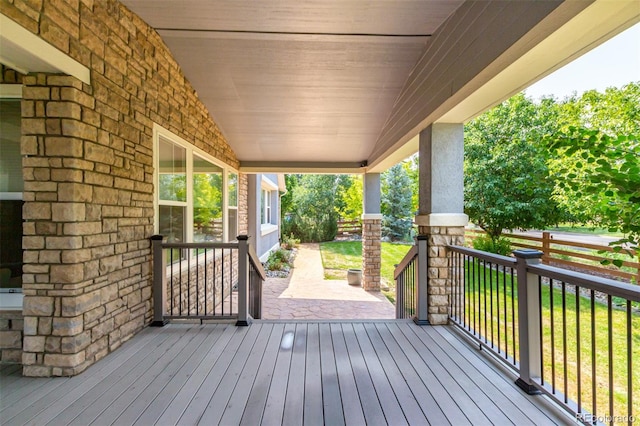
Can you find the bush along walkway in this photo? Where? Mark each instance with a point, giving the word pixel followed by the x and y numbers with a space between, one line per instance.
pixel 305 294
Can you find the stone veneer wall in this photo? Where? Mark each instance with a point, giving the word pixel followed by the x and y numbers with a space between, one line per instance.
pixel 198 285
pixel 88 170
pixel 11 326
pixel 371 255
pixel 439 287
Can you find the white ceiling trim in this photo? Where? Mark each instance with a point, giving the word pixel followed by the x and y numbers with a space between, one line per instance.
pixel 592 27
pixel 25 52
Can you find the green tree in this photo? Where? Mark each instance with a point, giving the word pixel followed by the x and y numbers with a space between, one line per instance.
pixel 349 196
pixel 602 177
pixel 286 200
pixel 207 199
pixel 313 216
pixel 594 118
pixel 412 166
pixel 506 178
pixel 396 203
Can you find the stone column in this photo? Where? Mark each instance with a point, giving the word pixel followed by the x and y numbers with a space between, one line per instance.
pixel 440 217
pixel 371 233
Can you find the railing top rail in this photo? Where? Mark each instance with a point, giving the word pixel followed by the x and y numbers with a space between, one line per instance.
pixel 255 261
pixel 491 257
pixel 413 252
pixel 200 245
pixel 592 282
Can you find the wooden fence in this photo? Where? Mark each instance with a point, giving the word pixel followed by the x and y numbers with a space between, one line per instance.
pixel 572 254
pixel 349 227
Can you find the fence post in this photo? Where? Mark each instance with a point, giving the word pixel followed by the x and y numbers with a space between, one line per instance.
pixel 546 245
pixel 244 318
pixel 159 281
pixel 422 291
pixel 528 320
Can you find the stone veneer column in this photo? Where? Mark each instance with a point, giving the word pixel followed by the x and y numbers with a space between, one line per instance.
pixel 243 209
pixel 441 218
pixel 371 257
pixel 371 233
pixel 439 282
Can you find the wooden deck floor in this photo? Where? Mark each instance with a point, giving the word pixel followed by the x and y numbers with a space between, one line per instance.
pixel 273 373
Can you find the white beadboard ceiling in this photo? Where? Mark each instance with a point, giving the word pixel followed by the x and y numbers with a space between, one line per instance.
pixel 302 83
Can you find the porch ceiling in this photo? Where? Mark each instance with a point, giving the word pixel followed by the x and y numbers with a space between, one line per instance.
pixel 336 84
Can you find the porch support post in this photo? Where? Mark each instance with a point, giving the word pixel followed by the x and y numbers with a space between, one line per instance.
pixel 371 232
pixel 159 281
pixel 528 320
pixel 441 219
pixel 244 319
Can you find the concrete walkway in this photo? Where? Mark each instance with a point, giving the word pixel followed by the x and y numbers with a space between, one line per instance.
pixel 305 294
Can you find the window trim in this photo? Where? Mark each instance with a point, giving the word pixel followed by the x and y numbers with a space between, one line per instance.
pixel 11 299
pixel 191 150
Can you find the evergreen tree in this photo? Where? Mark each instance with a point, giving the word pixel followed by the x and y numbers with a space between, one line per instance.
pixel 396 203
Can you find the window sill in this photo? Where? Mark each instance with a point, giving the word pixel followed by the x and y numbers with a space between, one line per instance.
pixel 267 229
pixel 11 301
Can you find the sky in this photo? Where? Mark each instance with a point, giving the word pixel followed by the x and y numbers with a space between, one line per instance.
pixel 614 63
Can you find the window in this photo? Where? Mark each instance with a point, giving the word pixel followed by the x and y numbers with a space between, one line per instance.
pixel 11 187
pixel 265 202
pixel 207 201
pixel 268 205
pixel 232 215
pixel 197 196
pixel 172 190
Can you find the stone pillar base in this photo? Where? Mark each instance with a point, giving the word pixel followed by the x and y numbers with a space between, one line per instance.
pixel 439 282
pixel 371 257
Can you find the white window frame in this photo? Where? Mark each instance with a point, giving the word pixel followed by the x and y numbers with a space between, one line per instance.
pixel 11 299
pixel 191 150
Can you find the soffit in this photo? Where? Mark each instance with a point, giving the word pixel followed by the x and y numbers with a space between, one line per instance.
pixel 291 81
pixel 314 85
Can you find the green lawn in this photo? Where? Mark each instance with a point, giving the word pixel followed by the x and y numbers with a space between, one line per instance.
pixel 338 256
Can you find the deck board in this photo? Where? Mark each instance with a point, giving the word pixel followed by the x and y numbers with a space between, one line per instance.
pixel 387 397
pixel 294 402
pixel 349 397
pixel 331 401
pixel 274 408
pixel 313 406
pixel 408 372
pixel 279 372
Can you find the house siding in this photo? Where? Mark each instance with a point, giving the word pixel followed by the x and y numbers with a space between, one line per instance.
pixel 88 172
pixel 263 243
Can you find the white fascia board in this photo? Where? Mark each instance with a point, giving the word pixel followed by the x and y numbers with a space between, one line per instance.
pixel 267 183
pixel 282 184
pixel 25 52
pixel 10 91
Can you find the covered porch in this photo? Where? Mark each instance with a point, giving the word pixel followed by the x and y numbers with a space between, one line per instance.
pixel 325 372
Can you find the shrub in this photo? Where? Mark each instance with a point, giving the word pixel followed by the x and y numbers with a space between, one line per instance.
pixel 290 242
pixel 278 260
pixel 500 245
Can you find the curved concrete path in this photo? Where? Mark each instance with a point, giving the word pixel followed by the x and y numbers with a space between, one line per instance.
pixel 305 294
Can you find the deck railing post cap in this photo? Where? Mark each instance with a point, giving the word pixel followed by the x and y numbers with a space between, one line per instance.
pixel 422 237
pixel 242 237
pixel 528 254
pixel 157 237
